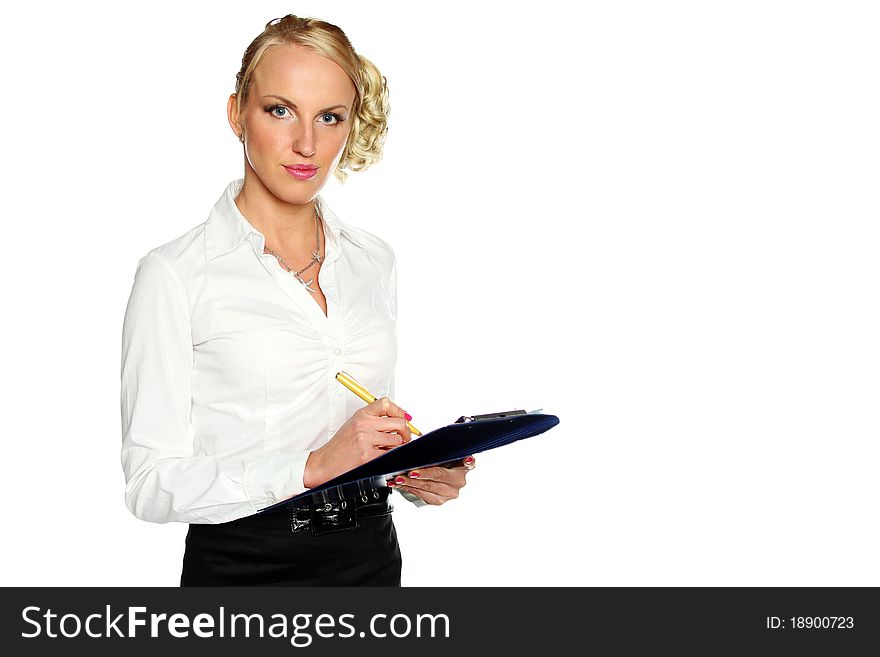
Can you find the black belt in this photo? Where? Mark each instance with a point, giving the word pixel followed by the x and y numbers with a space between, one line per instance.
pixel 339 508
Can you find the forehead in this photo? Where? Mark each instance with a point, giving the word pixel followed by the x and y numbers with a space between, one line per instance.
pixel 302 75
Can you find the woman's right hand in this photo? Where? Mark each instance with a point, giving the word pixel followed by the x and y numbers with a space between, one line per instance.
pixel 368 433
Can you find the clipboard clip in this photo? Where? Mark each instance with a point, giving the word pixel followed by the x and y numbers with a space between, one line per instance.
pixel 489 416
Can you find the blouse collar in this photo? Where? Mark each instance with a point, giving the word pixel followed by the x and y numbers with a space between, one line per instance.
pixel 227 227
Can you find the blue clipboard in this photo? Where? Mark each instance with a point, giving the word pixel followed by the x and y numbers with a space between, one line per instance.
pixel 446 445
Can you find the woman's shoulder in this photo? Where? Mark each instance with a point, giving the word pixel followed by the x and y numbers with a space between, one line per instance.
pixel 187 244
pixel 371 241
pixel 182 255
pixel 375 247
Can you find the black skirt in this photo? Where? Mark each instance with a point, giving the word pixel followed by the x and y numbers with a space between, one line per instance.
pixel 261 550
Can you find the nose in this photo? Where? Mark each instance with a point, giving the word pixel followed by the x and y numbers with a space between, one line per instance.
pixel 304 139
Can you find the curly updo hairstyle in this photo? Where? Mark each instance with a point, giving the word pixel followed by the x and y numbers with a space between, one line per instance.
pixel 370 112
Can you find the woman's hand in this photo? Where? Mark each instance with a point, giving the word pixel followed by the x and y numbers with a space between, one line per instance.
pixel 435 485
pixel 369 432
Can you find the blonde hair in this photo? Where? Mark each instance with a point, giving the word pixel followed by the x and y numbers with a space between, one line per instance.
pixel 369 124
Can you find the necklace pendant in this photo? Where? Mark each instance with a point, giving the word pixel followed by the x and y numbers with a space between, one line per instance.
pixel 306 284
pixel 317 257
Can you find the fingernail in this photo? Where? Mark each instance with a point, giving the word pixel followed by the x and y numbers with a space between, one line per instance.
pixel 400 480
pixel 469 460
pixel 408 416
pixel 414 475
pixel 390 483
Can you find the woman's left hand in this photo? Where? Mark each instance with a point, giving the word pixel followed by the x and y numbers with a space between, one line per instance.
pixel 435 485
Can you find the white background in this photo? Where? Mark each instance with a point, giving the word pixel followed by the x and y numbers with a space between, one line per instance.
pixel 658 221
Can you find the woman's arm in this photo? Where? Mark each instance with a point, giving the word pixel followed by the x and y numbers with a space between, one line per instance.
pixel 392 297
pixel 165 480
pixel 445 483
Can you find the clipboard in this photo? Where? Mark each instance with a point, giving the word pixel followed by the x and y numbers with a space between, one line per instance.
pixel 470 434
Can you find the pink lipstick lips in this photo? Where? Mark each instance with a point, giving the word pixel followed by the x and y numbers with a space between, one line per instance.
pixel 301 171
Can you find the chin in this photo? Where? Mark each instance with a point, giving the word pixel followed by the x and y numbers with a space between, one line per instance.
pixel 297 197
pixel 295 192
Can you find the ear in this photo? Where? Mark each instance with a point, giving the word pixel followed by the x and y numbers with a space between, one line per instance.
pixel 232 115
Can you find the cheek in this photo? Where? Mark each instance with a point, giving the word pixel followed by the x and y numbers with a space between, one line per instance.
pixel 337 140
pixel 271 141
pixel 263 136
pixel 335 145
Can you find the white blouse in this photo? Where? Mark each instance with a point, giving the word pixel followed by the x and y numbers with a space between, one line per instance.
pixel 228 364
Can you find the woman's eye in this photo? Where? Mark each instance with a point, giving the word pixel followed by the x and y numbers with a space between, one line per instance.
pixel 327 118
pixel 272 109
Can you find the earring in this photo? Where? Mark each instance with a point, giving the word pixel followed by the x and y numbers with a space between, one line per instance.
pixel 241 138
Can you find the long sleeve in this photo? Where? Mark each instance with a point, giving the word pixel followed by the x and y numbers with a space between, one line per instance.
pixel 165 479
pixel 392 296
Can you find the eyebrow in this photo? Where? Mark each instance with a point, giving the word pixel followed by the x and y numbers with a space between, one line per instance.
pixel 293 105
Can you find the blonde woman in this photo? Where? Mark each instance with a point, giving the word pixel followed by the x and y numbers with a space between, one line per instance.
pixel 235 330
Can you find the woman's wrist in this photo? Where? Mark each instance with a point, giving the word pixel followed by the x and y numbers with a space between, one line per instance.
pixel 312 475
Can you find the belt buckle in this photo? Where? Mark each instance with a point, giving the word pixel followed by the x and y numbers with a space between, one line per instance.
pixel 328 517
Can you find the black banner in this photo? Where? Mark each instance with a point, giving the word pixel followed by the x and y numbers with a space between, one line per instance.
pixel 435 621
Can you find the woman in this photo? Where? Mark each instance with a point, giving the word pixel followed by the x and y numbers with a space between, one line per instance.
pixel 235 330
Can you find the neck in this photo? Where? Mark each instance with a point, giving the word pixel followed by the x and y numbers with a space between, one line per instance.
pixel 288 227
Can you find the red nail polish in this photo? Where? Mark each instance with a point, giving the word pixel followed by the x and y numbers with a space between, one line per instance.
pixel 414 475
pixel 400 480
pixel 469 460
pixel 390 483
pixel 408 416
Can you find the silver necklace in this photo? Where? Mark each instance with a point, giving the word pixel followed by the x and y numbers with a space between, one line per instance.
pixel 317 258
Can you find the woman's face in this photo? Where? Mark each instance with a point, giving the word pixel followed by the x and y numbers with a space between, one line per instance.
pixel 298 113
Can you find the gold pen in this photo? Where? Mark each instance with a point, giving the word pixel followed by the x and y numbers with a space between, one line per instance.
pixel 348 381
